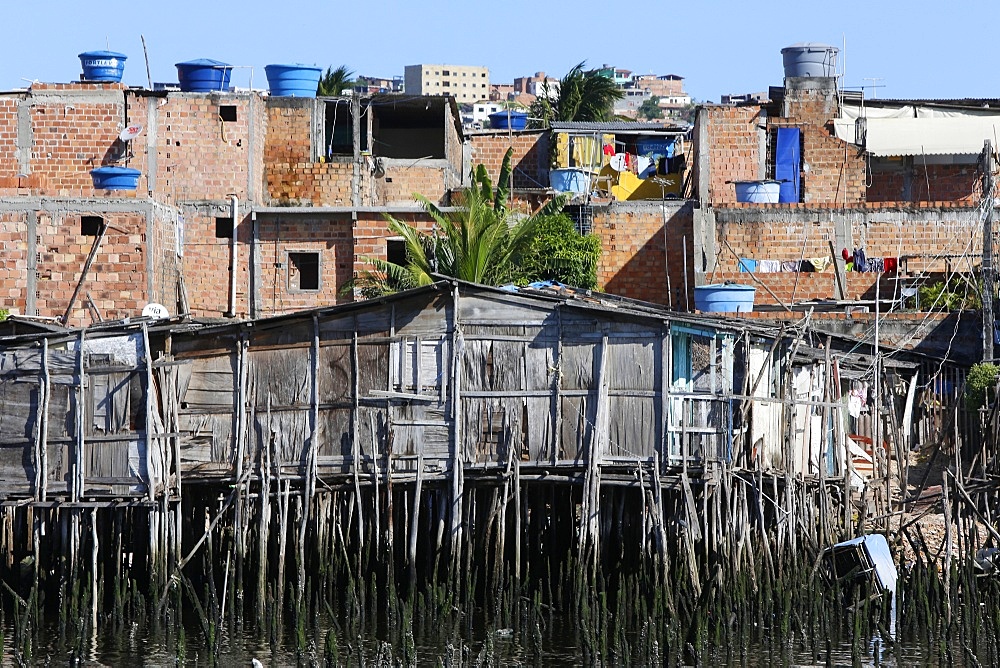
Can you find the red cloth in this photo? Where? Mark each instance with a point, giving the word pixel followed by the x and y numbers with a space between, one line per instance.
pixel 609 149
pixel 845 254
pixel 890 264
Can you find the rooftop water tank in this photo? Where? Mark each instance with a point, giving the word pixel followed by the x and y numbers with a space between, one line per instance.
pixel 203 75
pixel 724 298
pixel 808 59
pixel 105 66
pixel 115 178
pixel 293 80
pixel 508 120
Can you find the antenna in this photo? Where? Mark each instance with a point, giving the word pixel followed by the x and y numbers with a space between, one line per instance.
pixel 874 85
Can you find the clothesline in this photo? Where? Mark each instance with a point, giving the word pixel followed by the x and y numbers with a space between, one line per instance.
pixel 877 265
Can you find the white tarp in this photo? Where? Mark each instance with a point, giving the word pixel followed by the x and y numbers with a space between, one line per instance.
pixel 910 131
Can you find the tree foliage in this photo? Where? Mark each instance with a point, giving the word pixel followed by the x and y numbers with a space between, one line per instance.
pixel 583 96
pixel 981 385
pixel 557 252
pixel 650 109
pixel 335 81
pixel 482 241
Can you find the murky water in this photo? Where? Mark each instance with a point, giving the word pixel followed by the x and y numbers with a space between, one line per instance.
pixel 559 644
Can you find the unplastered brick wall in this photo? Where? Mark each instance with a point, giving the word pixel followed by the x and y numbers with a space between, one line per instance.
pixel 74 129
pixel 403 180
pixel 633 262
pixel 166 262
pixel 116 282
pixel 206 260
pixel 14 262
pixel 293 176
pixel 9 165
pixel 836 172
pixel 371 230
pixel 915 182
pixel 921 239
pixel 733 149
pixel 312 183
pixel 201 156
pixel 329 237
pixel 529 161
pixel 833 171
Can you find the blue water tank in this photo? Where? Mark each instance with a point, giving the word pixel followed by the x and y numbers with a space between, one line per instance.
pixel 508 120
pixel 203 75
pixel 293 80
pixel 724 298
pixel 115 178
pixel 569 180
pixel 106 66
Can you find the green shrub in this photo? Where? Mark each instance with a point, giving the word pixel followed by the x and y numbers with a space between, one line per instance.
pixel 981 385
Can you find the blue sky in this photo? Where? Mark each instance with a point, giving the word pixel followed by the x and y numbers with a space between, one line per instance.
pixel 915 49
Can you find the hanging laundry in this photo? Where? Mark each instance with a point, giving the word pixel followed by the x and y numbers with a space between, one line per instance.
pixel 768 266
pixel 891 264
pixel 608 150
pixel 860 261
pixel 806 266
pixel 876 265
pixel 790 265
pixel 820 263
pixel 747 265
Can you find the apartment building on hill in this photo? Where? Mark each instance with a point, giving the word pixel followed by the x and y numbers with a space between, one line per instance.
pixel 466 83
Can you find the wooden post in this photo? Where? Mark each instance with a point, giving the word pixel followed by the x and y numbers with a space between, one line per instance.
pixel 988 286
pixel 838 271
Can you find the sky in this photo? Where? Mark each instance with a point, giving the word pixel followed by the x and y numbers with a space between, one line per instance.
pixel 916 49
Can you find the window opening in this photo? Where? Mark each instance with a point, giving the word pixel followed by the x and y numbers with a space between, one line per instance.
pixel 227 112
pixel 90 226
pixel 303 271
pixel 224 227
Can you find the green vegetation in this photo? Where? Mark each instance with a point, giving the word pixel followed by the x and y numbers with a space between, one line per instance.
pixel 981 385
pixel 3 314
pixel 335 81
pixel 650 109
pixel 583 96
pixel 957 294
pixel 557 252
pixel 484 242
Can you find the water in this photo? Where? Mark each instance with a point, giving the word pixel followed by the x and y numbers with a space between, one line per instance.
pixel 558 642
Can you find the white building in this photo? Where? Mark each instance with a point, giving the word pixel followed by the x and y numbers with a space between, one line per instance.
pixel 466 83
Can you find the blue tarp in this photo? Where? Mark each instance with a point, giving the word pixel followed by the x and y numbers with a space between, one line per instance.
pixel 787 164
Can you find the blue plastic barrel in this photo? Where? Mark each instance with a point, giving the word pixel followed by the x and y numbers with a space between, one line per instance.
pixel 724 298
pixel 115 178
pixel 569 180
pixel 203 75
pixel 293 80
pixel 508 120
pixel 106 66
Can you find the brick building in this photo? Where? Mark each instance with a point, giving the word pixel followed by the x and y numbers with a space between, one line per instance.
pixel 918 211
pixel 245 204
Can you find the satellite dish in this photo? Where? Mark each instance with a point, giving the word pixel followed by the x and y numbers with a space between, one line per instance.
pixel 155 311
pixel 131 132
pixel 617 162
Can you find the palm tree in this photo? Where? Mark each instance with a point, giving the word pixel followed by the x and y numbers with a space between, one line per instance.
pixel 480 242
pixel 334 81
pixel 583 96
